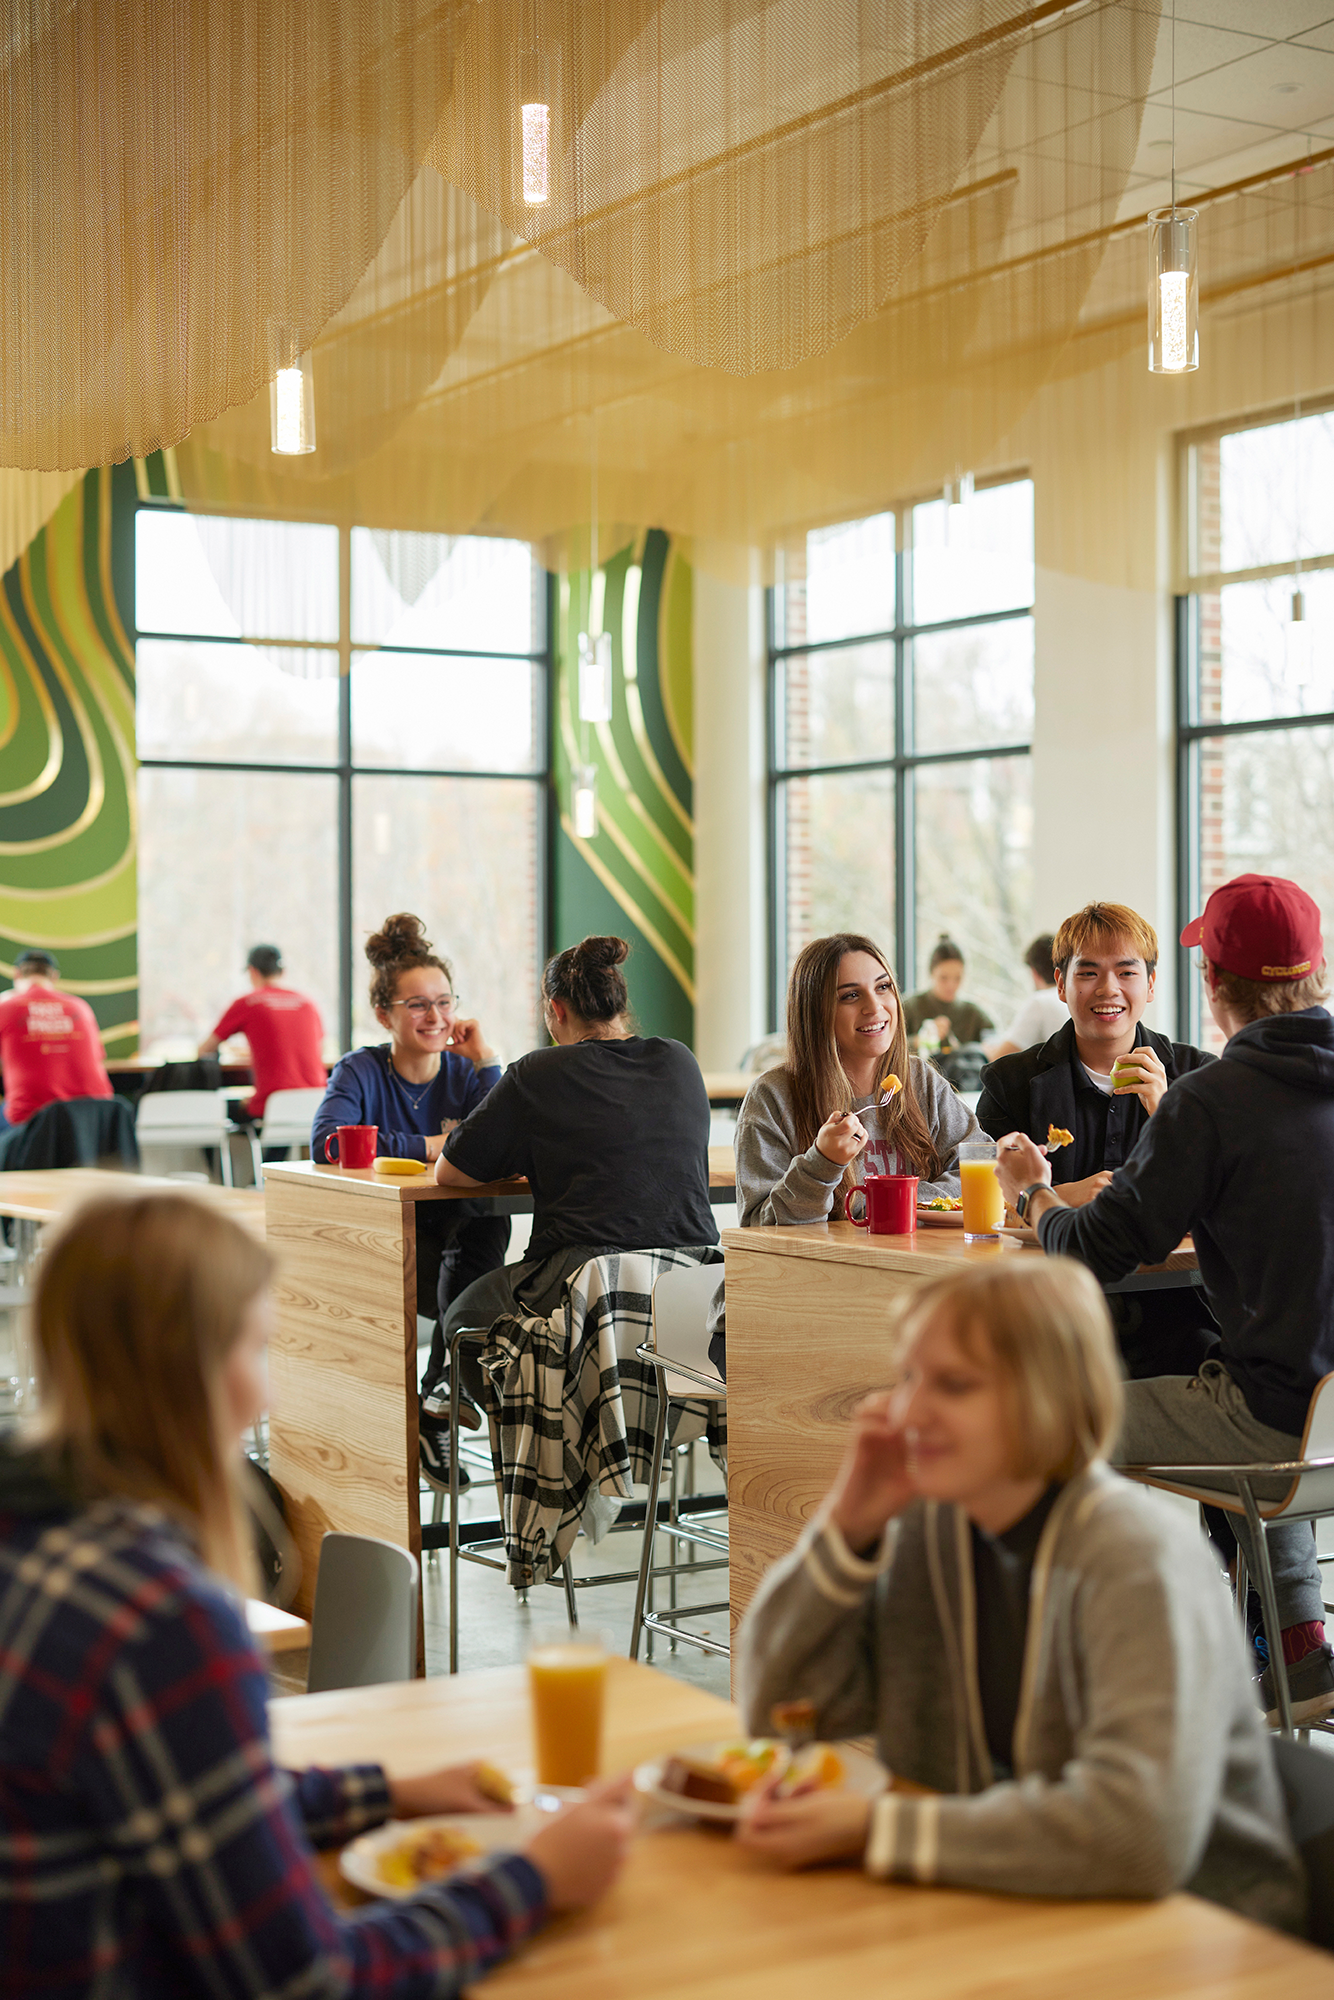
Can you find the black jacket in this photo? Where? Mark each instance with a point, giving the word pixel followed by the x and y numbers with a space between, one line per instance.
pixel 1039 1087
pixel 1239 1153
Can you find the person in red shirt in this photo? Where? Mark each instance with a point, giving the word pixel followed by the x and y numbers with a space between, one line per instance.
pixel 50 1045
pixel 283 1029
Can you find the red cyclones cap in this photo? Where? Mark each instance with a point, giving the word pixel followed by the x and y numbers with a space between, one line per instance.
pixel 1260 927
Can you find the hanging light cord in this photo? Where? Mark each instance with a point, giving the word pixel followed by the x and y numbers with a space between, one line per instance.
pixel 1174 106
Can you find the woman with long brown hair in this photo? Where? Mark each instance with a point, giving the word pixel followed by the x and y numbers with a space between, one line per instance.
pixel 819 1125
pixel 147 1843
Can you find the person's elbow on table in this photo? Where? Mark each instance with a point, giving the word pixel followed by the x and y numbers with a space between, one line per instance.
pixel 448 1175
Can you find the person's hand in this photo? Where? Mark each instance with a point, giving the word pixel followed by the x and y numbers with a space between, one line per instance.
pixel 872 1484
pixel 434 1144
pixel 466 1039
pixel 944 1029
pixel 1141 1074
pixel 452 1789
pixel 841 1139
pixel 811 1826
pixel 1019 1164
pixel 583 1850
pixel 1077 1194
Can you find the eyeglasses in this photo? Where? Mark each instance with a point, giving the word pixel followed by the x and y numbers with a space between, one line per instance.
pixel 419 1009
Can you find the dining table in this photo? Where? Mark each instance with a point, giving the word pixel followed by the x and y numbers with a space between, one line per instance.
pixel 694 1912
pixel 343 1354
pixel 811 1329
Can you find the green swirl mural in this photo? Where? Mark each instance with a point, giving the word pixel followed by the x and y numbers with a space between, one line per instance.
pixel 635 876
pixel 67 762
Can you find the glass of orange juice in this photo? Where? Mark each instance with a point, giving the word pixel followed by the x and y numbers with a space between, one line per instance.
pixel 567 1679
pixel 983 1202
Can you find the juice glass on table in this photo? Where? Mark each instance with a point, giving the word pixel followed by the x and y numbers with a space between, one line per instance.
pixel 983 1202
pixel 567 1678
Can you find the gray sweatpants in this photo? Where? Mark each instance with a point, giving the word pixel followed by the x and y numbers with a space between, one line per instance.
pixel 1202 1419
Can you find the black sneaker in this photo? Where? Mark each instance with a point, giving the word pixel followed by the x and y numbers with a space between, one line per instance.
pixel 1310 1689
pixel 434 1445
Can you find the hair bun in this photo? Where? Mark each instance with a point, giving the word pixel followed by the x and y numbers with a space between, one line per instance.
pixel 601 953
pixel 399 937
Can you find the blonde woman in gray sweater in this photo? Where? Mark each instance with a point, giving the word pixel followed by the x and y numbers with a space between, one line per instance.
pixel 813 1129
pixel 1045 1647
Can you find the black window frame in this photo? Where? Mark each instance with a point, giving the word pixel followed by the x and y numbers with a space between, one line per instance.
pixel 902 765
pixel 344 768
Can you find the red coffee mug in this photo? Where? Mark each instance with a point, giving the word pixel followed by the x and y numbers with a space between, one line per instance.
pixel 891 1204
pixel 356 1145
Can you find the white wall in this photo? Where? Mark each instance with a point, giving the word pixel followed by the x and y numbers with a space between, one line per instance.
pixel 1103 815
pixel 730 889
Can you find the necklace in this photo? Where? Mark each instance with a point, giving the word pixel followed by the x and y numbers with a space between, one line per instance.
pixel 403 1086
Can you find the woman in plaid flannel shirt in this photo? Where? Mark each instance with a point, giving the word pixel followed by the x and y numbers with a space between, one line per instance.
pixel 148 1845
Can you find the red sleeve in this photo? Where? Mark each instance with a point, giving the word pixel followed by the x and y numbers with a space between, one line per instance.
pixel 232 1022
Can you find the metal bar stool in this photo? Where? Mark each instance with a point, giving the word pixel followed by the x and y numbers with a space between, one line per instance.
pixel 1309 1497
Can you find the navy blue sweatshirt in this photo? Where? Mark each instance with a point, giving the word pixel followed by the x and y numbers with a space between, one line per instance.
pixel 1240 1155
pixel 366 1089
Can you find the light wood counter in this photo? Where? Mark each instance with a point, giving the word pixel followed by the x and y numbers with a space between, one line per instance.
pixel 693 1913
pixel 343 1359
pixel 43 1194
pixel 808 1335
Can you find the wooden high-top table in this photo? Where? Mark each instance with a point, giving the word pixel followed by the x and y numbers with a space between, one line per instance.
pixel 809 1313
pixel 343 1358
pixel 694 1914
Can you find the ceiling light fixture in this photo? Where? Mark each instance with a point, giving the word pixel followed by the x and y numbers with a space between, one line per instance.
pixel 291 395
pixel 1174 286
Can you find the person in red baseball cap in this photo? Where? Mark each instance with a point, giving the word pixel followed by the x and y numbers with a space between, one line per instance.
pixel 1240 1155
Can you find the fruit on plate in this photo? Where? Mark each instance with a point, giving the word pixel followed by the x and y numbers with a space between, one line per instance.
pixel 399 1170
pixel 427 1855
pixel 890 1088
pixel 724 1777
pixel 818 1764
pixel 492 1783
pixel 944 1204
pixel 1057 1136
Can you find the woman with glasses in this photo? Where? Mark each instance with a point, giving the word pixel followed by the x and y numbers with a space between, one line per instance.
pixel 415 1088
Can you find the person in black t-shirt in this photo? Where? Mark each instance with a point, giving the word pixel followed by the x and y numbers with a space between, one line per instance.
pixel 611 1129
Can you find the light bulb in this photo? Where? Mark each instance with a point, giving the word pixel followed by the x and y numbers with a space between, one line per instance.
pixel 595 677
pixel 584 804
pixel 291 397
pixel 536 126
pixel 1174 302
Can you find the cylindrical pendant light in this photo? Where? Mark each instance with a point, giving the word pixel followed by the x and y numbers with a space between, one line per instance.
pixel 291 394
pixel 535 129
pixel 584 801
pixel 595 677
pixel 1174 292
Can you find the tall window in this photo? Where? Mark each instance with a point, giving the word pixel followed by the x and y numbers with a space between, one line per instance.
pixel 1255 682
pixel 901 652
pixel 332 726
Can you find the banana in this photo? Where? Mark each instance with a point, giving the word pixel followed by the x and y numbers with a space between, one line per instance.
pixel 399 1170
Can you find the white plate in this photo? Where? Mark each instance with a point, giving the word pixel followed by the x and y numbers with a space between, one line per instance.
pixel 493 1832
pixel 940 1218
pixel 864 1774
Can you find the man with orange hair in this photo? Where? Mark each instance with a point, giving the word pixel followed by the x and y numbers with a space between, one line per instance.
pixel 1105 958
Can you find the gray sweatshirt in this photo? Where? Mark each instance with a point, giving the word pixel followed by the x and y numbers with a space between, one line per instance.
pixel 776 1183
pixel 1140 1759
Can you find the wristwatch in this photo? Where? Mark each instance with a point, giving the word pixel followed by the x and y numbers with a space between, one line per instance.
pixel 1021 1204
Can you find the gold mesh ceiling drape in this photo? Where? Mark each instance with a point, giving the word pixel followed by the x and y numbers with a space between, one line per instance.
pixel 826 254
pixel 795 260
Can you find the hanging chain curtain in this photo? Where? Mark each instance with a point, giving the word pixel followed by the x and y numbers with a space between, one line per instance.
pixel 884 235
pixel 793 261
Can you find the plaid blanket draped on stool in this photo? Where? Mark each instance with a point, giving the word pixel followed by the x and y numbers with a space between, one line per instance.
pixel 573 1411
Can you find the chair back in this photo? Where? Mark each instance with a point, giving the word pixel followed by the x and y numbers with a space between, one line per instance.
pixel 289 1115
pixel 182 1118
pixel 73 1132
pixel 364 1626
pixel 681 1301
pixel 1307 1778
pixel 1318 1433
